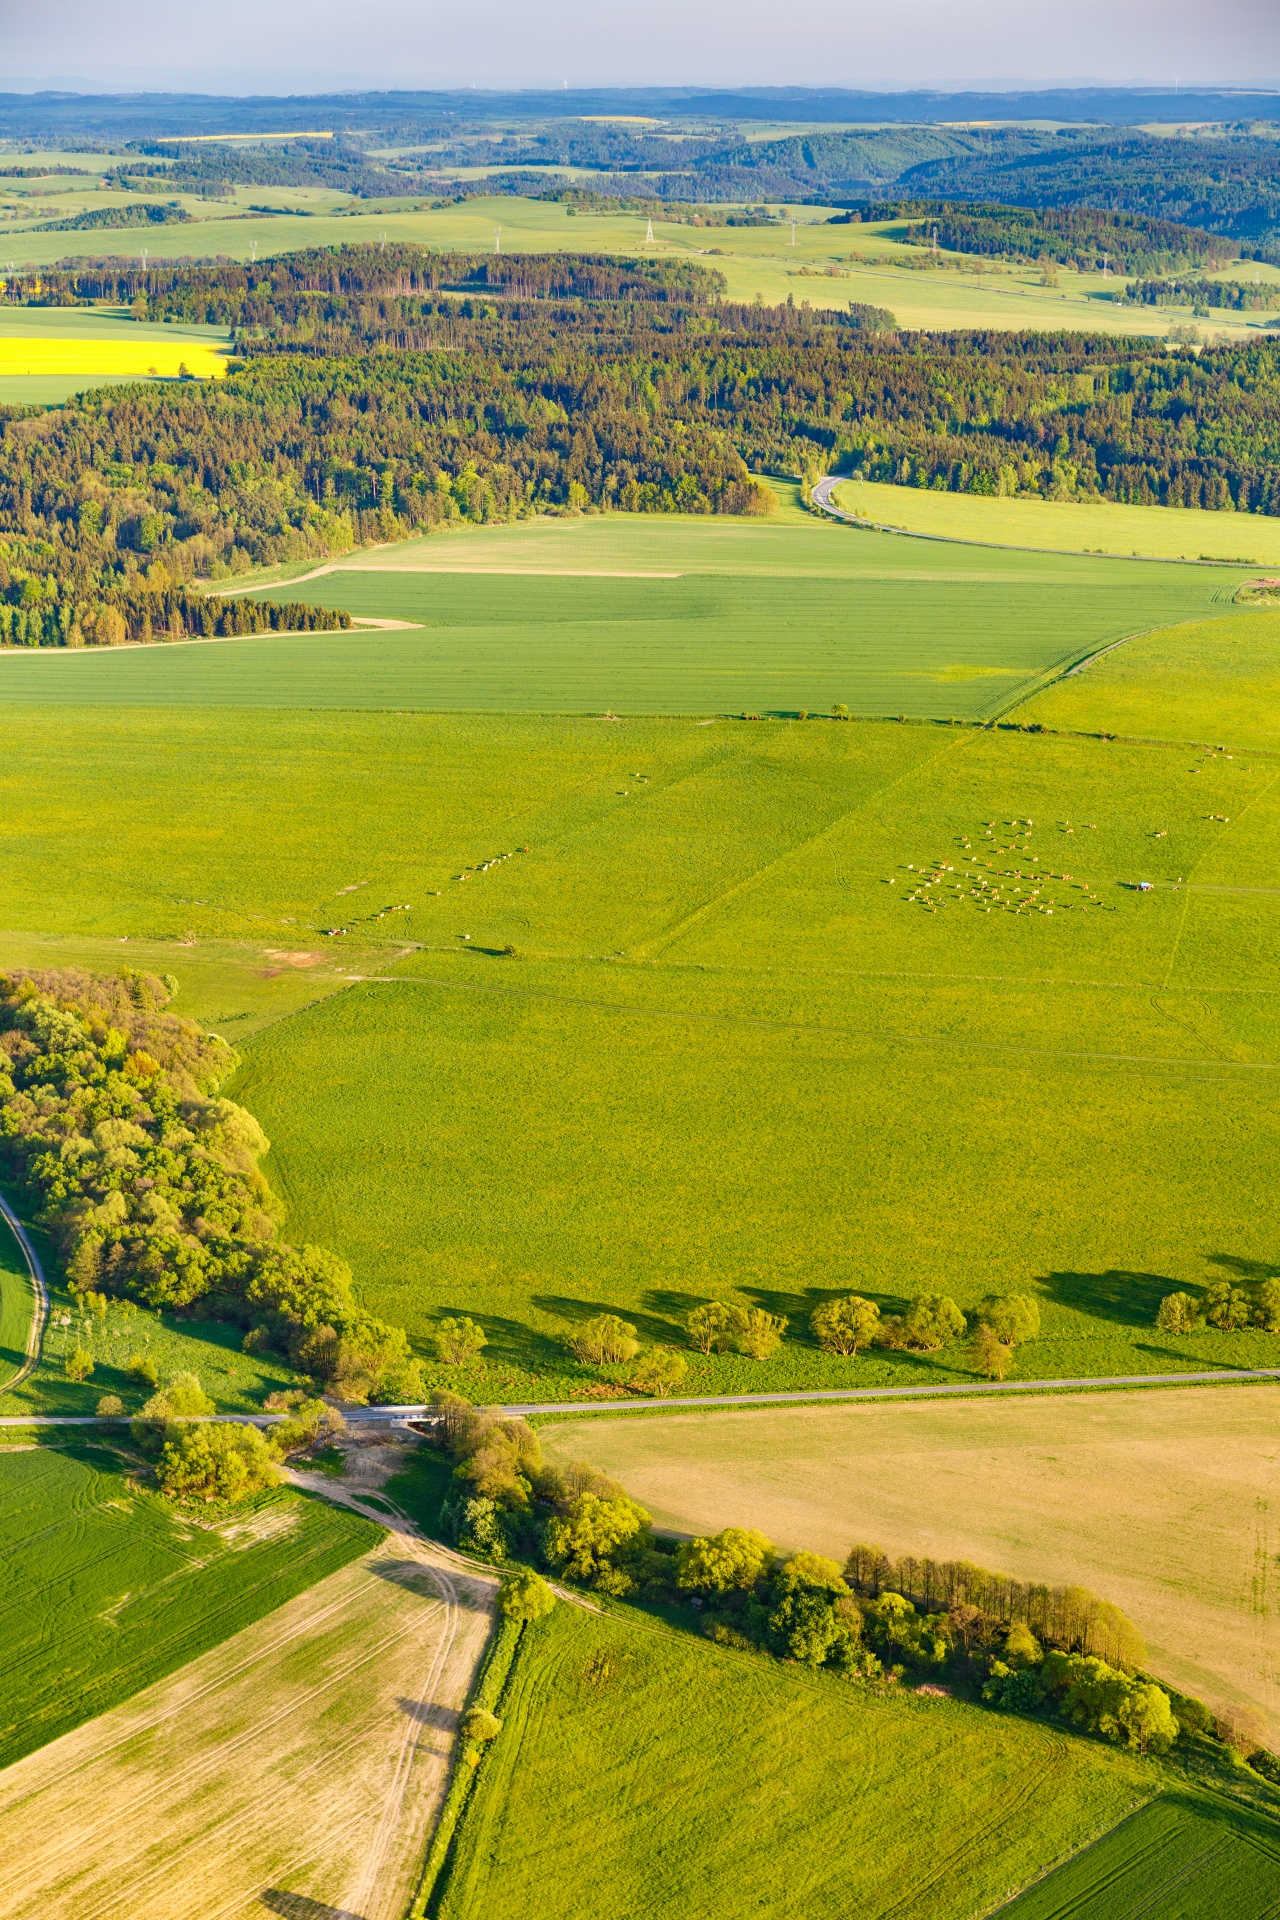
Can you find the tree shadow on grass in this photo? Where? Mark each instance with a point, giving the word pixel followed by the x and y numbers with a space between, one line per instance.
pixel 647 1325
pixel 296 1906
pixel 511 1341
pixel 1189 1362
pixel 1242 1269
pixel 1129 1298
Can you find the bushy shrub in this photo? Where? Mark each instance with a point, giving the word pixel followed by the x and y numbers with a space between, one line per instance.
pixel 78 1364
pixel 604 1341
pixel 1014 1318
pixel 1177 1313
pixel 480 1726
pixel 525 1595
pixel 227 1463
pixel 844 1326
pixel 931 1320
pixel 659 1372
pixel 110 1407
pixel 457 1341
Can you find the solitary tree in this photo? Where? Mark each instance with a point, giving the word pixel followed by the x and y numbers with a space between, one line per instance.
pixel 760 1333
pixel 1228 1308
pixel 931 1320
pixel 657 1372
pixel 457 1341
pixel 988 1353
pixel 1012 1317
pixel 842 1326
pixel 714 1326
pixel 604 1340
pixel 1266 1305
pixel 479 1725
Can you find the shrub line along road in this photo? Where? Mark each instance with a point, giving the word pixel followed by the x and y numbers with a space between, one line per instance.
pixel 357 1416
pixel 40 1291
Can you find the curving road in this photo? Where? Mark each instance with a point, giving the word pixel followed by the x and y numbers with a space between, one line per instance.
pixel 40 1295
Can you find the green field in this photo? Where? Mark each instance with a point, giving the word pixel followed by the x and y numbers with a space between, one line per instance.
pixel 105 1589
pixel 1188 1856
pixel 1214 682
pixel 638 1771
pixel 96 330
pixel 586 618
pixel 1162 1500
pixel 1068 526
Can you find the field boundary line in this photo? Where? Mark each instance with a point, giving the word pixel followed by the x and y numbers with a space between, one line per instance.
pixel 790 1026
pixel 40 1299
pixel 1076 1853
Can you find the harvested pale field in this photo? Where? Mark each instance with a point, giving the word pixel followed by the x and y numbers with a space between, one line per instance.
pixel 295 1769
pixel 1167 1502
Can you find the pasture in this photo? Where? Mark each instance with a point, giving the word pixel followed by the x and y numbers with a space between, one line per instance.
pixel 293 1769
pixel 715 1783
pixel 1163 1500
pixel 649 615
pixel 105 1589
pixel 731 1055
pixel 1064 526
pixel 1213 681
pixel 1186 1856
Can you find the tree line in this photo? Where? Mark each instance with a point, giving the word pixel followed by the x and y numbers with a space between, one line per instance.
pixel 1083 237
pixel 148 1182
pixel 1234 296
pixel 1021 1647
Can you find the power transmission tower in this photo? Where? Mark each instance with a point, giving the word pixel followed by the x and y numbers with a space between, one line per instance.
pixel 497 239
pixel 648 236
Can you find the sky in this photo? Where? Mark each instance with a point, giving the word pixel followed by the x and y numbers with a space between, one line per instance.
pixel 301 46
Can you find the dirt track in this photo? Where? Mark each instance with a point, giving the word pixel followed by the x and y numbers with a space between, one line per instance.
pixel 294 1770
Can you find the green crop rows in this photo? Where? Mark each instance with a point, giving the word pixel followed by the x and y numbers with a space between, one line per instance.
pixel 1188 1856
pixel 104 1588
pixel 816 615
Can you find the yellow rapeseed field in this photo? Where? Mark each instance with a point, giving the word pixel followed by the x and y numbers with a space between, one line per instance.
pixel 109 358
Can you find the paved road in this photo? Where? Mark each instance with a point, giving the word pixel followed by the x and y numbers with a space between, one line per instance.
pixel 35 1333
pixel 382 1416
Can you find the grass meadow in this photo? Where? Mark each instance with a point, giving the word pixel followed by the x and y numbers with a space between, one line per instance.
pixel 16 1305
pixel 638 1770
pixel 1162 1500
pixel 104 1588
pixel 1215 681
pixel 1067 526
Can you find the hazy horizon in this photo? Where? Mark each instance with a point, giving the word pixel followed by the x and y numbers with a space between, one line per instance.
pixel 304 46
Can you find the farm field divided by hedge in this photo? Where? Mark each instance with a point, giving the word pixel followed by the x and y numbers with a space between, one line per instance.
pixel 1177 1527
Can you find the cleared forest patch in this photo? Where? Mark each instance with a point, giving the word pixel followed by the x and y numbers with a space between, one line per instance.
pixel 294 1768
